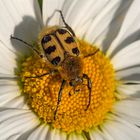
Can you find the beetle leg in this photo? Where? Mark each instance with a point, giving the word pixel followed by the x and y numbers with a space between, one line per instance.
pixel 70 91
pixel 59 97
pixel 38 76
pixel 91 54
pixel 74 90
pixel 89 85
pixel 29 45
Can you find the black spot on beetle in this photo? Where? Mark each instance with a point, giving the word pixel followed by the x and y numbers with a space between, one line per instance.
pixel 56 60
pixel 46 39
pixel 61 31
pixel 50 49
pixel 69 40
pixel 75 51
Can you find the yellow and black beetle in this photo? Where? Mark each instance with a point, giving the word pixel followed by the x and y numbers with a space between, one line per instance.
pixel 61 53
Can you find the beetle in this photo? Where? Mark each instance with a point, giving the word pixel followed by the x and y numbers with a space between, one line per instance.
pixel 61 53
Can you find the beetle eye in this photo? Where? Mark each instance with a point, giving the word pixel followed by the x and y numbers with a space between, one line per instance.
pixel 46 39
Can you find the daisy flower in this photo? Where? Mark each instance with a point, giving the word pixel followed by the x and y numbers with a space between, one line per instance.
pixel 27 104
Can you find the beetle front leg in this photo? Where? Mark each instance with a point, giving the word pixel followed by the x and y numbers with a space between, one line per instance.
pixel 38 76
pixel 89 85
pixel 91 54
pixel 59 97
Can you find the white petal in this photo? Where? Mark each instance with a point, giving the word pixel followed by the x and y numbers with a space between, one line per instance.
pixel 78 15
pixel 44 132
pixel 122 127
pixel 106 24
pixel 41 136
pixel 37 12
pixel 96 135
pixel 126 74
pixel 106 135
pixel 4 89
pixel 4 98
pixel 130 119
pixel 130 81
pixel 129 107
pixel 6 113
pixel 17 124
pixel 8 77
pixel 17 102
pixel 109 30
pixel 74 136
pixel 49 6
pixel 117 131
pixel 37 134
pixel 5 82
pixel 127 57
pixel 91 19
pixel 20 19
pixel 7 60
pixel 10 95
pixel 130 29
pixel 54 134
pixel 13 137
pixel 129 89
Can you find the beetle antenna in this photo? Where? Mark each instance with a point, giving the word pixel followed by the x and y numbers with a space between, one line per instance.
pixel 29 45
pixel 67 26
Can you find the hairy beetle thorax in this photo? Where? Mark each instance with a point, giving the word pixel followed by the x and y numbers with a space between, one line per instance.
pixel 71 68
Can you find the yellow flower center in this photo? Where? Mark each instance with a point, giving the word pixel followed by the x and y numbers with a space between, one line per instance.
pixel 42 92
